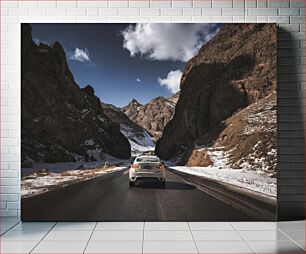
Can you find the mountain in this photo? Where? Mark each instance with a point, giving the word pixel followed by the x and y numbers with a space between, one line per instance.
pixel 174 98
pixel 246 140
pixel 152 116
pixel 232 73
pixel 60 121
pixel 139 139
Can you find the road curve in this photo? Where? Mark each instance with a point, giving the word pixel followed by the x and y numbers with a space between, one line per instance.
pixel 109 198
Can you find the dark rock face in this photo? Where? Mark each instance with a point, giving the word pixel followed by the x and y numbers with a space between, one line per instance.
pixel 247 139
pixel 60 121
pixel 232 71
pixel 152 116
pixel 136 132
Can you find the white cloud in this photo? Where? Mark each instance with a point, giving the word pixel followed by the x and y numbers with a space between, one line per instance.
pixel 80 55
pixel 172 81
pixel 138 80
pixel 166 41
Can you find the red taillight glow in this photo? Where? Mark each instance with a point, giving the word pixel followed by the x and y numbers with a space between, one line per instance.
pixel 135 166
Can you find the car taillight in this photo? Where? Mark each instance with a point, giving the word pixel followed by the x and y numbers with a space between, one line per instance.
pixel 135 166
pixel 161 166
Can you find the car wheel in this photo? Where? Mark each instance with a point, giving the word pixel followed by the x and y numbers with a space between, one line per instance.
pixel 131 184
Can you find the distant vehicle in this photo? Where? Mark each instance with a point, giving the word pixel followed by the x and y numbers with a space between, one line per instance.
pixel 146 167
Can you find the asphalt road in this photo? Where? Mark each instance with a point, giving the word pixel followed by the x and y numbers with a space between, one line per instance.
pixel 109 198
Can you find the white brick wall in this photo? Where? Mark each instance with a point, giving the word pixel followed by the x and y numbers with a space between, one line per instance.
pixel 288 13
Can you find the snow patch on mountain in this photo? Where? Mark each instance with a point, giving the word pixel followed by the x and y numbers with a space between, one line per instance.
pixel 139 142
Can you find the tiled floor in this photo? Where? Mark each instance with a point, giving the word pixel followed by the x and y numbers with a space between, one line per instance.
pixel 152 237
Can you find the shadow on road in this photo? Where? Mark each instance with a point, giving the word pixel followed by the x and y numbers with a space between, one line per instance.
pixel 169 185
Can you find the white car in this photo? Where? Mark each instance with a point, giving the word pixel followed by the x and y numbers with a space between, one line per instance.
pixel 146 167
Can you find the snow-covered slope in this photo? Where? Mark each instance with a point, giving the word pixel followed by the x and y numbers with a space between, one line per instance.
pixel 240 151
pixel 221 170
pixel 139 138
pixel 140 142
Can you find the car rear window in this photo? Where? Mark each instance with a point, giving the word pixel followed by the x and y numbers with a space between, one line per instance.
pixel 147 159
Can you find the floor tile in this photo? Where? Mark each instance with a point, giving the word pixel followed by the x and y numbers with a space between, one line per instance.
pixel 33 226
pixel 211 226
pixel 166 226
pixel 60 247
pixel 169 247
pixel 120 226
pixel 111 247
pixel 5 226
pixel 17 247
pixel 63 226
pixel 253 225
pixel 9 224
pixel 301 243
pixel 216 236
pixel 23 236
pixel 274 235
pixel 69 236
pixel 3 230
pixel 168 236
pixel 117 236
pixel 291 225
pixel 297 235
pixel 223 247
pixel 276 247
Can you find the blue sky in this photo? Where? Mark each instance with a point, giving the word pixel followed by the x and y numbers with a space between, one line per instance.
pixel 126 61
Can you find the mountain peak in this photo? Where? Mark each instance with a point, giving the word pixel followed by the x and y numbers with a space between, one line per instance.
pixel 134 102
pixel 152 116
pixel 158 98
pixel 57 47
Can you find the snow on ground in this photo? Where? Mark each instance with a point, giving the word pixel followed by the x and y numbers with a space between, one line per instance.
pixel 260 115
pixel 139 143
pixel 37 183
pixel 61 167
pixel 221 171
pixel 263 163
pixel 54 167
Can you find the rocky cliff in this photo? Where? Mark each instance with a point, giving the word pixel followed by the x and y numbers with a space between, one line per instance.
pixel 246 140
pixel 152 116
pixel 234 70
pixel 61 121
pixel 139 138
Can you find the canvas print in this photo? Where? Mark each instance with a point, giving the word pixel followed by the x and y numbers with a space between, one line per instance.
pixel 148 122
